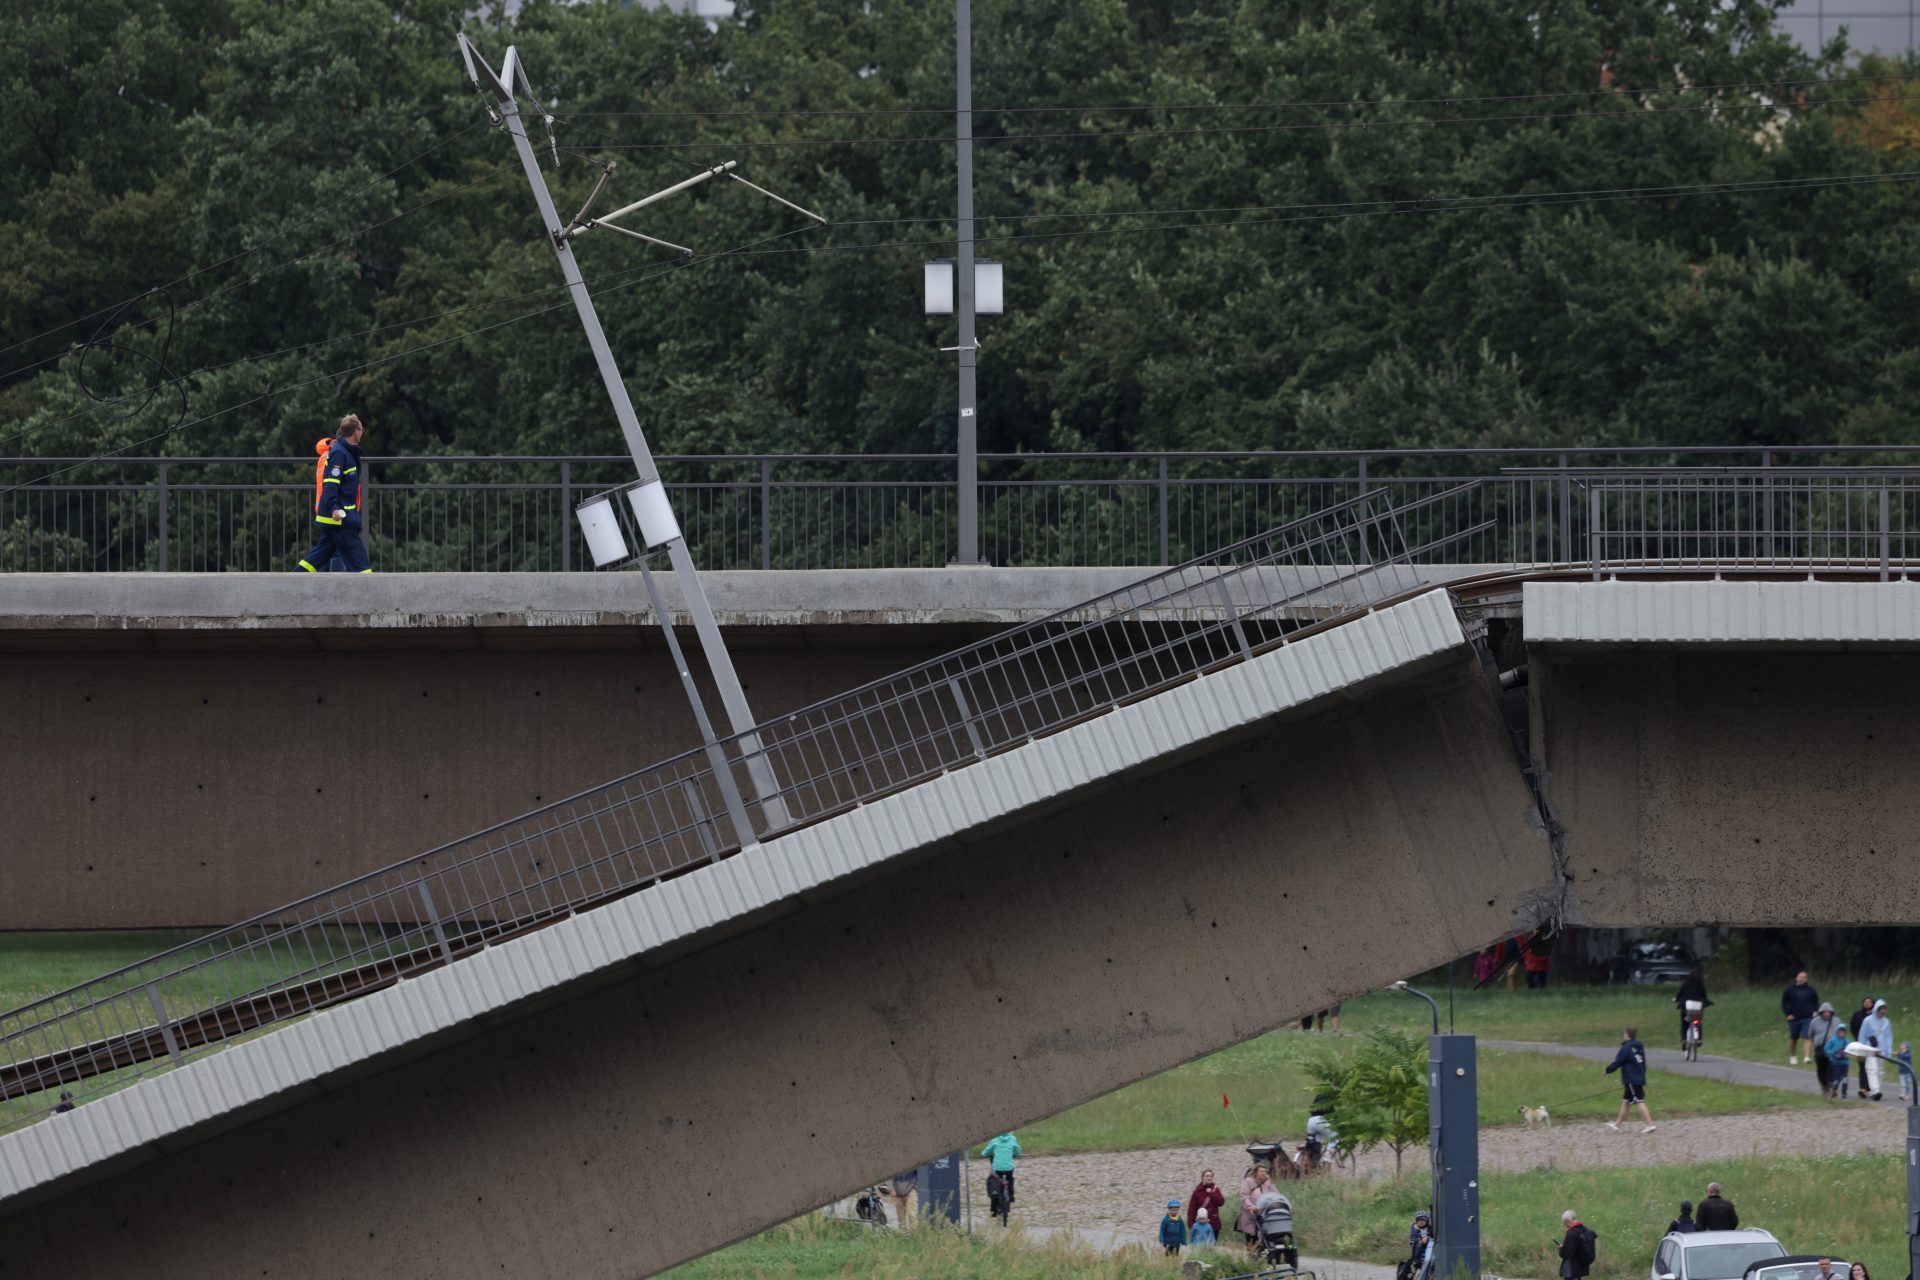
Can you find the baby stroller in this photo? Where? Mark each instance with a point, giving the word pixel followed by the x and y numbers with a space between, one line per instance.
pixel 1273 1219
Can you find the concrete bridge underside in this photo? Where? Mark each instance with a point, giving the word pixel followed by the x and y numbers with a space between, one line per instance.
pixel 690 1100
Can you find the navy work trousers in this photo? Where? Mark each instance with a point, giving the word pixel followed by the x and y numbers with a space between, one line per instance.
pixel 338 550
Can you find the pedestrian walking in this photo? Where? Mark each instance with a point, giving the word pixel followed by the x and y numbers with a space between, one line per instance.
pixel 336 505
pixel 1853 1030
pixel 1905 1058
pixel 1820 1031
pixel 1257 1183
pixel 1631 1063
pixel 1536 958
pixel 1201 1235
pixel 1858 1271
pixel 1876 1029
pixel 1798 1003
pixel 1578 1247
pixel 1206 1200
pixel 905 1192
pixel 1839 1065
pixel 1173 1232
pixel 1684 1224
pixel 1716 1212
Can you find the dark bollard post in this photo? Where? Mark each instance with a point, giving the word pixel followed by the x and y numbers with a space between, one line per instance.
pixel 1453 1133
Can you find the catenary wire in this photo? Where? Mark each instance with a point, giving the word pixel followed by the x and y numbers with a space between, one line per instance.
pixel 1314 212
pixel 661 269
pixel 285 231
pixel 1644 113
pixel 263 274
pixel 1778 84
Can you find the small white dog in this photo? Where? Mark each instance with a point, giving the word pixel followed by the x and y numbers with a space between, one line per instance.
pixel 1536 1116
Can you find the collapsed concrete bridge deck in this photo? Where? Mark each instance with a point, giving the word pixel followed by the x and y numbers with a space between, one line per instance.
pixel 1018 936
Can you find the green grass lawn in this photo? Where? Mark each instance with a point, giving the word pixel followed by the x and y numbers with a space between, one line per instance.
pixel 1268 1082
pixel 1853 1204
pixel 1741 1024
pixel 813 1246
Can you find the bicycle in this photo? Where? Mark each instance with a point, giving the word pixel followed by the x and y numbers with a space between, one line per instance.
pixel 1691 1037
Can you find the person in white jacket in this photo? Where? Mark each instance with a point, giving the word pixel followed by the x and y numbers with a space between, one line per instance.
pixel 1877 1031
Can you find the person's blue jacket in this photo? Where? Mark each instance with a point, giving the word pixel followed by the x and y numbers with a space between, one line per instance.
pixel 1173 1231
pixel 1001 1151
pixel 1877 1030
pixel 1837 1049
pixel 339 485
pixel 1202 1234
pixel 1630 1062
pixel 1799 1001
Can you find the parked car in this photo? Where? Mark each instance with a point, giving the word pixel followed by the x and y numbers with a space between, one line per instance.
pixel 1796 1266
pixel 1647 963
pixel 1714 1255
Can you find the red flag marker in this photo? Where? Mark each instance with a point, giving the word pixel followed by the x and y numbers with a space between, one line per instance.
pixel 1224 1101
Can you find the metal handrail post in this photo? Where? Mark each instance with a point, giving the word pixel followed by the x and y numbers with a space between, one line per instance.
pixel 160 492
pixel 566 514
pixel 766 513
pixel 1566 513
pixel 1164 556
pixel 1593 529
pixel 1886 536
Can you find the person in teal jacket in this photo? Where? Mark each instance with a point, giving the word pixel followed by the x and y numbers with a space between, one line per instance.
pixel 1001 1151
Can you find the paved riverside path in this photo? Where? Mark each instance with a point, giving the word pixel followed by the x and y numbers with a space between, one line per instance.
pixel 1107 1240
pixel 1763 1075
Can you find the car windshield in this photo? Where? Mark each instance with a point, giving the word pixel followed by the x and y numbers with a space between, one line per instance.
pixel 1799 1271
pixel 1729 1261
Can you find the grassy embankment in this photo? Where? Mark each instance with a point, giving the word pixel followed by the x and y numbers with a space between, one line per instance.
pixel 1741 1024
pixel 1853 1204
pixel 1268 1081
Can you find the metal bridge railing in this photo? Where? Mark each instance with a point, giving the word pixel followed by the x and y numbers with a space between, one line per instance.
pixel 991 697
pixel 1792 520
pixel 779 511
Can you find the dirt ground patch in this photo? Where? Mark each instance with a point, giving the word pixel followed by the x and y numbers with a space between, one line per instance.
pixel 1121 1190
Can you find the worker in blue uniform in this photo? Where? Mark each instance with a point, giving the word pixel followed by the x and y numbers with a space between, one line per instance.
pixel 336 505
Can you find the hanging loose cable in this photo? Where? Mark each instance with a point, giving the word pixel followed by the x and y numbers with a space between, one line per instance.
pixel 100 341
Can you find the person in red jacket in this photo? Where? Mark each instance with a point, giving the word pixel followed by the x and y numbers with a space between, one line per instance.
pixel 1206 1196
pixel 1537 958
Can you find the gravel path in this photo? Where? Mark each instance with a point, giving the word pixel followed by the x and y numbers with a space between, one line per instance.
pixel 1118 1191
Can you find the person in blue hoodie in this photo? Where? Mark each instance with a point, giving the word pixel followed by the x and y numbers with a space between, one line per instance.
pixel 1173 1230
pixel 1877 1030
pixel 1202 1231
pixel 1631 1063
pixel 1839 1065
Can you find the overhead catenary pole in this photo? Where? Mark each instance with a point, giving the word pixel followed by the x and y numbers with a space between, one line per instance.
pixel 693 595
pixel 968 443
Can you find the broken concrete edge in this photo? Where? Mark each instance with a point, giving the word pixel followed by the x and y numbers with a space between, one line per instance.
pixel 177 1108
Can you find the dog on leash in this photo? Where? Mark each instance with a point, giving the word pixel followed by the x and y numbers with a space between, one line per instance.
pixel 1536 1117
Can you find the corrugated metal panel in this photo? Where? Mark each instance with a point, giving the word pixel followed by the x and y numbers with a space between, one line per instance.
pixel 938 810
pixel 1721 612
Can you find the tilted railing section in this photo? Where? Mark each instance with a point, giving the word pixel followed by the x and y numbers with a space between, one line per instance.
pixel 433 909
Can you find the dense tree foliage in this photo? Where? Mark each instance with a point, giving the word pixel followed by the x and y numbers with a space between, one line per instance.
pixel 1276 306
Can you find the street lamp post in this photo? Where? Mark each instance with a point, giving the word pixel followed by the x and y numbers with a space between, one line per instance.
pixel 1453 1139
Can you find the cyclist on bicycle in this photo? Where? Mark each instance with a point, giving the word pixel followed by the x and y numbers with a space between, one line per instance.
pixel 1322 1138
pixel 1691 1000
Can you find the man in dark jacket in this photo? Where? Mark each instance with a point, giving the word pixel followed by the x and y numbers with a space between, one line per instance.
pixel 1798 1003
pixel 336 505
pixel 1631 1063
pixel 1716 1212
pixel 1577 1248
pixel 1693 990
